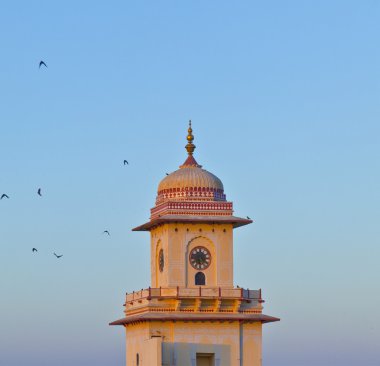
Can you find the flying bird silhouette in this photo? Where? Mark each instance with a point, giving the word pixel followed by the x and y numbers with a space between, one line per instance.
pixel 167 173
pixel 58 256
pixel 4 196
pixel 106 232
pixel 34 250
pixel 42 63
pixel 126 162
pixel 39 192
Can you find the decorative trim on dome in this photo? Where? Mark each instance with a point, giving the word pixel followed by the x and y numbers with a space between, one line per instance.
pixel 191 193
pixel 210 208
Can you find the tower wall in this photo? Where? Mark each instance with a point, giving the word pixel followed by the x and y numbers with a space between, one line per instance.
pixel 178 343
pixel 177 240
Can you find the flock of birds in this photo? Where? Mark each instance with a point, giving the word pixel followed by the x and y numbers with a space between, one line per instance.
pixel 39 191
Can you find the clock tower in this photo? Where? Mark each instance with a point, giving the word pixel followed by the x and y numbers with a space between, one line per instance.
pixel 192 314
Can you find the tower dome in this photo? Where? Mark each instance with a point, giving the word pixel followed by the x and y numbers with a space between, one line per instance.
pixel 191 190
pixel 190 182
pixel 191 194
pixel 190 178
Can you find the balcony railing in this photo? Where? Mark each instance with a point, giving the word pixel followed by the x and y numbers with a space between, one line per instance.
pixel 203 292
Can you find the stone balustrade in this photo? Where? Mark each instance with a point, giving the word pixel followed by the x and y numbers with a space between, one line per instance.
pixel 197 292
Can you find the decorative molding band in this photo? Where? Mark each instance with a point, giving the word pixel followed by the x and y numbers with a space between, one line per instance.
pixel 190 193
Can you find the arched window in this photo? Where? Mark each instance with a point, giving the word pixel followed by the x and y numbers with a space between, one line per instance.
pixel 200 279
pixel 137 359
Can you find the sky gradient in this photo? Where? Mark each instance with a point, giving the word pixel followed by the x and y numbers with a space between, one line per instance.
pixel 285 102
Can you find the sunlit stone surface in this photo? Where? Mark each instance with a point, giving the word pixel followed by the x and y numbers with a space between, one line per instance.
pixel 192 314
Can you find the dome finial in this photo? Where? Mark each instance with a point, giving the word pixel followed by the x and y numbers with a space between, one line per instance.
pixel 190 147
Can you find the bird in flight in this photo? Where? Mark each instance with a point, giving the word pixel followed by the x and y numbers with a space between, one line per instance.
pixel 167 173
pixel 126 162
pixel 248 218
pixel 106 232
pixel 58 256
pixel 4 196
pixel 34 250
pixel 42 63
pixel 39 192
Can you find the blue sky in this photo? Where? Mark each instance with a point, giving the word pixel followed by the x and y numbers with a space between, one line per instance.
pixel 284 98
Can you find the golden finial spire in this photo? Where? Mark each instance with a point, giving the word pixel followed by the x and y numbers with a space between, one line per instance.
pixel 190 147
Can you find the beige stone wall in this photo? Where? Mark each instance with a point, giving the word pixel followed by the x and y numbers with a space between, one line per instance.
pixel 177 239
pixel 252 343
pixel 181 341
pixel 188 339
pixel 136 337
pixel 159 240
pixel 152 352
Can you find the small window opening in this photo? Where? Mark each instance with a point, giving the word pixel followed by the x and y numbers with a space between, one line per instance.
pixel 200 279
pixel 137 359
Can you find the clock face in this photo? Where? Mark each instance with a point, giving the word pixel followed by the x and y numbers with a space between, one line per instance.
pixel 200 258
pixel 161 262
